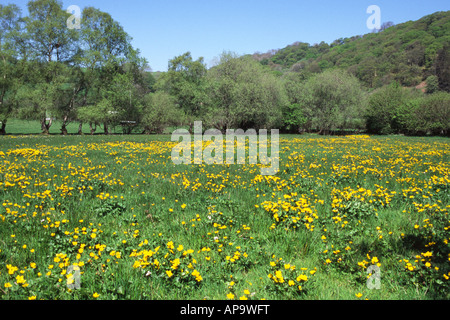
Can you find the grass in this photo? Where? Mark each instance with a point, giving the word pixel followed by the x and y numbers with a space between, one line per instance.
pixel 139 227
pixel 33 127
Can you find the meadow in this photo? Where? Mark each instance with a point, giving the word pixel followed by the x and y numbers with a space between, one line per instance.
pixel 111 217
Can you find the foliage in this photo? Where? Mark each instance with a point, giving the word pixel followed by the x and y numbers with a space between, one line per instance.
pixel 384 107
pixel 160 110
pixel 333 100
pixel 443 67
pixel 244 94
pixel 407 52
pixel 393 109
pixel 427 115
pixel 94 76
pixel 184 80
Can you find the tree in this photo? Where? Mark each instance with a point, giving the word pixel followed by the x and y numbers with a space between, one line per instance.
pixel 117 102
pixel 159 111
pixel 432 84
pixel 386 25
pixel 426 114
pixel 185 80
pixel 54 45
pixel 106 55
pixel 443 68
pixel 10 32
pixel 436 113
pixel 367 71
pixel 294 119
pixel 40 98
pixel 388 107
pixel 50 39
pixel 334 100
pixel 244 94
pixel 70 89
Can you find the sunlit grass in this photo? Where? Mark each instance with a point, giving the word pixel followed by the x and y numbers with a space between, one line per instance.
pixel 338 205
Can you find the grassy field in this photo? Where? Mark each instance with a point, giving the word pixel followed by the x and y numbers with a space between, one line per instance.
pixel 111 217
pixel 33 127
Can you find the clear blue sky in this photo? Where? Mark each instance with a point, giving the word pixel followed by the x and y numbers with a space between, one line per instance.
pixel 165 29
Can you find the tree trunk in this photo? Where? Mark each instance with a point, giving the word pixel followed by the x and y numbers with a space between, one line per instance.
pixel 93 129
pixel 64 130
pixel 3 128
pixel 46 126
pixel 80 128
pixel 105 127
pixel 64 127
pixel 147 130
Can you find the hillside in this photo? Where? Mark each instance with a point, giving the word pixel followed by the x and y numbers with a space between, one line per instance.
pixel 408 53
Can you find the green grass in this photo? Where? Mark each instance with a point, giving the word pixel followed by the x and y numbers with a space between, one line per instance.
pixel 122 193
pixel 33 127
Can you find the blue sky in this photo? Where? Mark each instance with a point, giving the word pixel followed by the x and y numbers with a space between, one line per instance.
pixel 206 28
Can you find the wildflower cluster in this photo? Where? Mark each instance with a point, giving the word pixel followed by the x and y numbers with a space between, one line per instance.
pixel 292 212
pixel 286 277
pixel 98 218
pixel 172 263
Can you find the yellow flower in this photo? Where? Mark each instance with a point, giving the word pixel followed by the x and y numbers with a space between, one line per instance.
pixel 358 295
pixel 32 298
pixel 8 285
pixel 20 279
pixel 96 295
pixel 175 263
pixel 279 275
pixel 197 275
pixel 11 269
pixel 230 296
pixel 302 277
pixel 169 273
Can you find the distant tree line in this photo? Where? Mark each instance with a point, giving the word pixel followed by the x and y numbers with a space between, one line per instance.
pixel 94 77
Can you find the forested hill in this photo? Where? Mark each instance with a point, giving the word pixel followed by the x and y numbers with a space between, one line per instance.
pixel 407 53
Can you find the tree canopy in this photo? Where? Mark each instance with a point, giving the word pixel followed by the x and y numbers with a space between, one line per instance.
pixel 393 81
